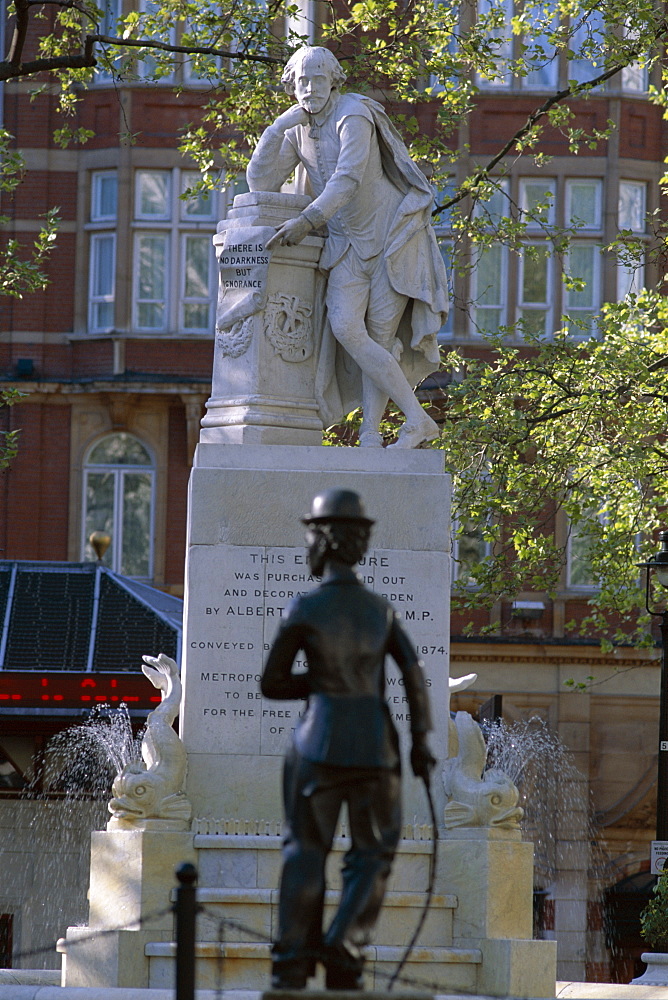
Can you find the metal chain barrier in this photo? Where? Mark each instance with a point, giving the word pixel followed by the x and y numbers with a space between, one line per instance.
pixel 94 935
pixel 251 932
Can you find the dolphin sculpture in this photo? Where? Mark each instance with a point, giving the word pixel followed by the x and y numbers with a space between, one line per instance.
pixel 148 793
pixel 476 797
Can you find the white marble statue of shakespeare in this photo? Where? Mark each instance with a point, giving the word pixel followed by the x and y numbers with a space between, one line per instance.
pixel 386 286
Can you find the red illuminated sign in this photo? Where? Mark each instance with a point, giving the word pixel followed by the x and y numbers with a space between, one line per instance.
pixel 57 689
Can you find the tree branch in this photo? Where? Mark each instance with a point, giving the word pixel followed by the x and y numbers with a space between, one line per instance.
pixel 204 50
pixel 12 67
pixel 84 60
pixel 19 33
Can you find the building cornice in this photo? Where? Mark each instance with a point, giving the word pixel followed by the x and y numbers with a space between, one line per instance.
pixel 127 383
pixel 556 655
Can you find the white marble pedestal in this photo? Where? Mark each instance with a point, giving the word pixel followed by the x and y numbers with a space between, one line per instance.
pixel 246 560
pixel 263 384
pixel 131 878
pixel 491 873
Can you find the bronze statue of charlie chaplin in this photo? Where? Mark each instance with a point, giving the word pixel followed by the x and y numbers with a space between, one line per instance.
pixel 345 748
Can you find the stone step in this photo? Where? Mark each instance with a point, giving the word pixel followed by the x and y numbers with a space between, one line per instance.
pixel 257 909
pixel 254 861
pixel 239 965
pixel 439 970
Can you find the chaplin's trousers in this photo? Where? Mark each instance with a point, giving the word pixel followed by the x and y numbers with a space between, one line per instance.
pixel 313 796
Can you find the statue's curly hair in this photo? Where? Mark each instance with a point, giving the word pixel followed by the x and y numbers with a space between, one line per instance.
pixel 344 541
pixel 331 62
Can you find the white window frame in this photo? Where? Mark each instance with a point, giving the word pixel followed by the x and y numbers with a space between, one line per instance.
pixel 550 186
pixel 583 69
pixel 582 588
pixel 137 302
pixel 189 76
pixel 456 564
pixel 106 298
pixel 641 186
pixel 119 470
pixel 585 236
pixel 508 51
pixel 96 212
pixel 107 26
pixel 443 230
pixel 484 210
pixel 634 78
pixel 102 227
pixel 184 299
pixel 631 277
pixel 188 179
pixel 142 64
pixel 447 331
pixel 527 83
pixel 597 184
pixel 173 227
pixel 545 307
pixel 476 292
pixel 576 312
pixel 153 216
pixel 504 80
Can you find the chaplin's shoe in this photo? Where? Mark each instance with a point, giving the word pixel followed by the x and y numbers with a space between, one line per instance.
pixel 290 975
pixel 343 969
pixel 371 439
pixel 412 435
pixel 343 979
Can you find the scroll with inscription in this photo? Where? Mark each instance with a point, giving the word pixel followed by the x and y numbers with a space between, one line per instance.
pixel 244 264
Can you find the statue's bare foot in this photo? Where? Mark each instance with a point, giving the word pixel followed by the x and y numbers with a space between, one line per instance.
pixel 412 435
pixel 371 439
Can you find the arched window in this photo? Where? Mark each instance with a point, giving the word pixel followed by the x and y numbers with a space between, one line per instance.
pixel 118 487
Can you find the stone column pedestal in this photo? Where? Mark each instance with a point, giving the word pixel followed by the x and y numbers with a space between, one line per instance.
pixel 131 878
pixel 246 561
pixel 263 385
pixel 491 873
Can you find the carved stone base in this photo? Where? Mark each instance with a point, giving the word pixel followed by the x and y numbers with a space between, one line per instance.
pixel 131 877
pixel 656 973
pixel 154 825
pixel 263 385
pixel 491 873
pixel 261 420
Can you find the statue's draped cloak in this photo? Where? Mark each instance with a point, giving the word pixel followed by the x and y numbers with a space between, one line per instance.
pixel 414 266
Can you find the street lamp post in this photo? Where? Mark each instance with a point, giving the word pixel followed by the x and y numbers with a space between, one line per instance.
pixel 657 566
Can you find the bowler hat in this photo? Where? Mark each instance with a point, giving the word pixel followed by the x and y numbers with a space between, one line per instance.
pixel 337 505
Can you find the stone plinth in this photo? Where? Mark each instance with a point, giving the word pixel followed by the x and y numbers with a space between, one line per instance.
pixel 131 875
pixel 656 973
pixel 491 873
pixel 246 560
pixel 263 385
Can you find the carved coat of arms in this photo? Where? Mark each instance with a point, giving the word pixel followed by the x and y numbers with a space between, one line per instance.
pixel 288 327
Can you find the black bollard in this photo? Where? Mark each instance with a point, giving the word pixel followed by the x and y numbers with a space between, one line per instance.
pixel 185 910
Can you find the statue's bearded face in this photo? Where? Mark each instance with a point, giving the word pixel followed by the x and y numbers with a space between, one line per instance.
pixel 313 84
